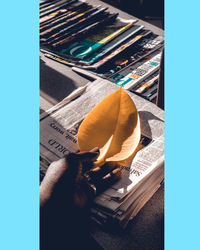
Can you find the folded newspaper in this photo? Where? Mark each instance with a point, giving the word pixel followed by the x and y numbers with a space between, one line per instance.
pixel 140 179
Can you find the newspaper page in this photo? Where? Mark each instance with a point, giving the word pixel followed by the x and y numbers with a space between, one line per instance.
pixel 58 131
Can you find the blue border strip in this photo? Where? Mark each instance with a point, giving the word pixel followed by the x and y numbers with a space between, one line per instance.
pixel 182 169
pixel 19 126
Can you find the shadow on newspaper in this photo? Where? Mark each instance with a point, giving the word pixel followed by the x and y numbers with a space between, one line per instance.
pixel 147 116
pixel 54 84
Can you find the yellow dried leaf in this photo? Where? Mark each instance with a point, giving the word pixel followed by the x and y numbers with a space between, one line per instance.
pixel 113 126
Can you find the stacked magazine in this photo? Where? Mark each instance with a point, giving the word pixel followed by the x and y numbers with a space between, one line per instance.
pixel 140 179
pixel 79 33
pixel 97 43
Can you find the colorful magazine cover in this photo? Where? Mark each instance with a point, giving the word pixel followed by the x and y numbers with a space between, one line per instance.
pixel 141 49
pixel 124 46
pixel 133 75
pixel 87 46
pixel 112 45
pixel 127 59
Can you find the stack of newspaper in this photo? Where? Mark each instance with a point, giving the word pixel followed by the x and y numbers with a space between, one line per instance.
pixel 139 181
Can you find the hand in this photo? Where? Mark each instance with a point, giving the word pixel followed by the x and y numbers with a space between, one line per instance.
pixel 66 192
